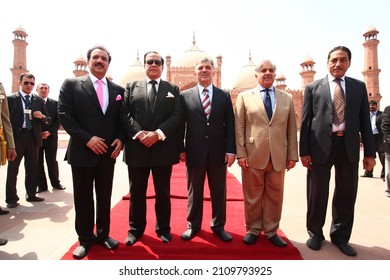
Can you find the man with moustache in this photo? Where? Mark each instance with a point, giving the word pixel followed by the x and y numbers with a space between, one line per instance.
pixel 89 111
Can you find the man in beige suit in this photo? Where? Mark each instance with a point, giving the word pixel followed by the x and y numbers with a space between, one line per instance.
pixel 7 149
pixel 266 141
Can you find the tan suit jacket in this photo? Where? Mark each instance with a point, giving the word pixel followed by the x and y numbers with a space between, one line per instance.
pixel 260 139
pixel 5 121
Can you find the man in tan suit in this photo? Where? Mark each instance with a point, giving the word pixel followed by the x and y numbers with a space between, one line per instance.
pixel 266 141
pixel 7 150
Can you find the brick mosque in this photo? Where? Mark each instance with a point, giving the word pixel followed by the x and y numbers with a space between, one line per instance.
pixel 181 72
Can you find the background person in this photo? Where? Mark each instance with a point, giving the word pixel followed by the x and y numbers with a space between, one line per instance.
pixel 27 114
pixel 49 147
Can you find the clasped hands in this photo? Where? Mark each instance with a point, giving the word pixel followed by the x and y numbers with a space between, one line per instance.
pixel 148 138
pixel 99 147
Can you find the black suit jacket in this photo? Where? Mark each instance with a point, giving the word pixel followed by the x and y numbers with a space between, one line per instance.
pixel 52 109
pixel 167 116
pixel 317 116
pixel 385 127
pixel 17 115
pixel 81 116
pixel 208 139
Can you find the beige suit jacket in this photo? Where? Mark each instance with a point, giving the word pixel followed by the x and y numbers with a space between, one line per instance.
pixel 5 121
pixel 260 139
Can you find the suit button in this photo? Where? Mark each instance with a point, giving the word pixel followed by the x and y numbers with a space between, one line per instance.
pixel 208 123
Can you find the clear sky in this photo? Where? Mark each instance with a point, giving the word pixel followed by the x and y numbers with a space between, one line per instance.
pixel 284 31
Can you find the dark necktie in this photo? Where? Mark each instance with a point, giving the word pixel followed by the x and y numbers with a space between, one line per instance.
pixel 267 103
pixel 206 102
pixel 27 105
pixel 152 94
pixel 338 103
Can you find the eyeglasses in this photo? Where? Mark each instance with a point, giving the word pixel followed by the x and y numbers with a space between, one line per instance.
pixel 27 83
pixel 155 61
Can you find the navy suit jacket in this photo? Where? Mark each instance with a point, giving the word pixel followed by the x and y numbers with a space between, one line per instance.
pixel 208 139
pixel 16 115
pixel 81 116
pixel 317 116
pixel 167 116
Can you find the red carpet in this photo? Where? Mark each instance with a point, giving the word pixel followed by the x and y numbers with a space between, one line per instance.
pixel 205 246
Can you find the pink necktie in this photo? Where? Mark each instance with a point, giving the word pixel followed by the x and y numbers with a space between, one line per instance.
pixel 99 92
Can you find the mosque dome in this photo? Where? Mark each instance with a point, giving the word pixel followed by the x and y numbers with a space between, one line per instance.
pixel 246 78
pixel 190 57
pixel 20 30
pixel 280 77
pixel 134 73
pixel 307 59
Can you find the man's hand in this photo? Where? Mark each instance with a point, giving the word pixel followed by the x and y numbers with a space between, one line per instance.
pixel 97 145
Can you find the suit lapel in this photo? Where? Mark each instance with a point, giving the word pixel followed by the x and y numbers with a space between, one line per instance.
pixel 87 86
pixel 258 100
pixel 198 103
pixel 161 94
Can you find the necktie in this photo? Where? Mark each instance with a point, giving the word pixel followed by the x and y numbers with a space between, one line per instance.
pixel 152 96
pixel 206 102
pixel 99 92
pixel 338 104
pixel 267 103
pixel 27 105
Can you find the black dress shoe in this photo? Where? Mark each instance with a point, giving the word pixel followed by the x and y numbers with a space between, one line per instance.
pixel 12 204
pixel 277 241
pixel 59 187
pixel 314 243
pixel 131 239
pixel 81 251
pixel 35 199
pixel 346 249
pixel 250 239
pixel 223 235
pixel 189 234
pixel 3 212
pixel 110 243
pixel 366 176
pixel 3 241
pixel 166 237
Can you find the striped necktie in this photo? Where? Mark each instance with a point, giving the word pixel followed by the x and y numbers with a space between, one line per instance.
pixel 338 103
pixel 206 102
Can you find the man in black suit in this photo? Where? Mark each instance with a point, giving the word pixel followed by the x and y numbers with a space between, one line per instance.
pixel 89 110
pixel 376 121
pixel 330 137
pixel 151 118
pixel 27 114
pixel 209 148
pixel 49 143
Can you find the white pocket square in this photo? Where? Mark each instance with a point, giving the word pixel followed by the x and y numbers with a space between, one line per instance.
pixel 170 95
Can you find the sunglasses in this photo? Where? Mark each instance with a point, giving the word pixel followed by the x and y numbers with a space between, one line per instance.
pixel 27 83
pixel 155 61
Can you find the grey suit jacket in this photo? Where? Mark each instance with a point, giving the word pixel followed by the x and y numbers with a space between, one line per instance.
pixel 213 137
pixel 317 116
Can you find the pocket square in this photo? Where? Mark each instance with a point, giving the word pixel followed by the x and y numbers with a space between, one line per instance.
pixel 118 97
pixel 170 95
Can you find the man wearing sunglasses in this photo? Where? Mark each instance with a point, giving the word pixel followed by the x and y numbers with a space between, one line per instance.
pixel 152 115
pixel 27 114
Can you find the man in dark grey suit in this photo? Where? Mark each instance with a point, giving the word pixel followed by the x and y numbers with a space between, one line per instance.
pixel 27 114
pixel 49 147
pixel 209 148
pixel 330 137
pixel 151 117
pixel 89 111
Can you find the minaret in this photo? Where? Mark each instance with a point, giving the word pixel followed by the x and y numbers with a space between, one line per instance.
pixel 19 66
pixel 218 74
pixel 307 72
pixel 80 66
pixel 371 70
pixel 281 82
